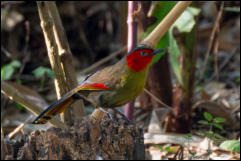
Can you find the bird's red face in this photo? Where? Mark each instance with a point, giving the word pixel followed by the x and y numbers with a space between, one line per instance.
pixel 140 58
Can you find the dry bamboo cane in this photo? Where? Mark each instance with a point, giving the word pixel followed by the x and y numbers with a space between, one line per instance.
pixel 152 39
pixel 54 57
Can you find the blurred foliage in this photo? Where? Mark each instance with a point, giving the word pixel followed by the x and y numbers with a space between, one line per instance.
pixel 8 70
pixel 238 80
pixel 232 9
pixel 41 71
pixel 184 23
pixel 231 145
pixel 20 106
pixel 161 10
pixel 167 149
pixel 211 122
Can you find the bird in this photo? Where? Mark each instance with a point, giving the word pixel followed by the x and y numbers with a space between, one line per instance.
pixel 111 87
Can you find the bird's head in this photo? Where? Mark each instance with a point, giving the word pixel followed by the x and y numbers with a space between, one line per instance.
pixel 140 58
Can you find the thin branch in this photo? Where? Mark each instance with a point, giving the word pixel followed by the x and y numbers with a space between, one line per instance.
pixel 224 63
pixel 215 54
pixel 155 98
pixel 17 96
pixel 19 128
pixel 210 43
pixel 102 61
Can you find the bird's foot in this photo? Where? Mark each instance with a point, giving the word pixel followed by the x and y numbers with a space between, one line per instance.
pixel 109 115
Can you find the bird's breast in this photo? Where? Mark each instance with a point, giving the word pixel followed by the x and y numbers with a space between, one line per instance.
pixel 129 87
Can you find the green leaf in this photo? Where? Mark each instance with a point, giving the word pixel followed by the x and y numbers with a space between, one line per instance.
pixel 15 64
pixel 162 9
pixel 40 71
pixel 219 120
pixel 188 136
pixel 199 88
pixel 186 21
pixel 232 9
pixel 159 147
pixel 174 55
pixel 203 122
pixel 209 134
pixel 231 145
pixel 8 70
pixel 238 80
pixel 49 73
pixel 168 149
pixel 218 126
pixel 20 106
pixel 217 136
pixel 208 116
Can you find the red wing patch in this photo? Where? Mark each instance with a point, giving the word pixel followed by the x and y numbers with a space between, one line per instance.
pixel 93 86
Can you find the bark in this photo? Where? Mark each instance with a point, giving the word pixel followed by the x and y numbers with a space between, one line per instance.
pixel 86 139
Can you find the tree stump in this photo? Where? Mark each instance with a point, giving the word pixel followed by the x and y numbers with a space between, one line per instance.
pixel 86 139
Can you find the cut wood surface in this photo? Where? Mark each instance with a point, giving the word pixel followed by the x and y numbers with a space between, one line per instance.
pixel 87 139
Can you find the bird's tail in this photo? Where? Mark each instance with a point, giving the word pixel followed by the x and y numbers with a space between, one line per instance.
pixel 60 105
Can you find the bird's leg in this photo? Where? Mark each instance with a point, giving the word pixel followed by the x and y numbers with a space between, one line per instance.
pixel 109 115
pixel 79 96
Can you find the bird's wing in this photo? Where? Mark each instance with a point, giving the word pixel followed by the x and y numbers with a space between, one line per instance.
pixel 60 105
pixel 106 79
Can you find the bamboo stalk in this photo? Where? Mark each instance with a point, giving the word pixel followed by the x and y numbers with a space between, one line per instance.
pixel 47 27
pixel 152 39
pixel 65 55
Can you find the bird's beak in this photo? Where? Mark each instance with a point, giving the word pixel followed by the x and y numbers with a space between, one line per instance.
pixel 156 51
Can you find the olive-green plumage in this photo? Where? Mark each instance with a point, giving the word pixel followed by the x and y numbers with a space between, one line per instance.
pixel 110 87
pixel 125 85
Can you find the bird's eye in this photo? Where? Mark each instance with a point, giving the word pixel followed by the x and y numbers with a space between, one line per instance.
pixel 143 53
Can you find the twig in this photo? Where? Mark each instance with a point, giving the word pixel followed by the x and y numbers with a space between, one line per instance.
pixel 19 128
pixel 3 4
pixel 25 49
pixel 155 98
pixel 224 63
pixel 54 57
pixel 17 96
pixel 102 61
pixel 152 39
pixel 215 53
pixel 210 44
pixel 7 53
